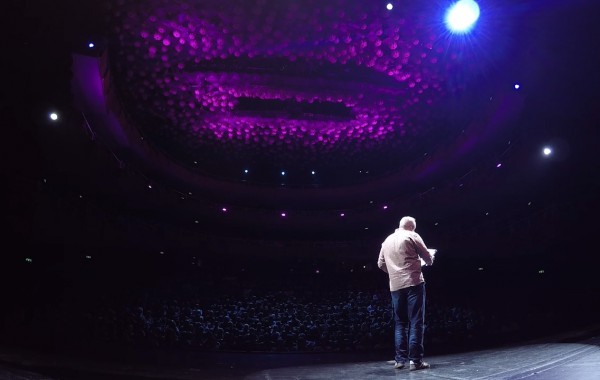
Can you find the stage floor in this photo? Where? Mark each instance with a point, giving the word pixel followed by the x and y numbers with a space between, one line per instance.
pixel 575 356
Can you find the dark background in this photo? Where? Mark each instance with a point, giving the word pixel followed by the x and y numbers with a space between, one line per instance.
pixel 492 261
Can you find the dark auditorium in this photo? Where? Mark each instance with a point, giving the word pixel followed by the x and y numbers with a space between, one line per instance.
pixel 309 190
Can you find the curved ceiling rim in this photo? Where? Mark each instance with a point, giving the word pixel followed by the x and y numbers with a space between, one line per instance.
pixel 126 140
pixel 157 49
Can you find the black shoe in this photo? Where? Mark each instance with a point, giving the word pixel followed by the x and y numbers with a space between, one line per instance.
pixel 419 365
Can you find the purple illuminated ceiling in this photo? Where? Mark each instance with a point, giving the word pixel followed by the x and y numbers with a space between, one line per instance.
pixel 286 83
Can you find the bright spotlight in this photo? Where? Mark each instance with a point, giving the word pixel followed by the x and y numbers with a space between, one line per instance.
pixel 547 151
pixel 91 45
pixel 389 6
pixel 462 15
pixel 53 116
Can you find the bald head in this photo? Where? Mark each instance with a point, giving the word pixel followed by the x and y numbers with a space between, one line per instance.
pixel 408 223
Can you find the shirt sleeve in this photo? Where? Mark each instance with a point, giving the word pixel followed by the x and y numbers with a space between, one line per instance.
pixel 422 250
pixel 381 261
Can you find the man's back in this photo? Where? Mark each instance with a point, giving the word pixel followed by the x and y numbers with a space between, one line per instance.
pixel 400 254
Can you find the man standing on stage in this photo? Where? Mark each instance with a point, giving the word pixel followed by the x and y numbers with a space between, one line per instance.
pixel 401 256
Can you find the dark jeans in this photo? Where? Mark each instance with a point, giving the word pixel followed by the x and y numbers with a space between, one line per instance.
pixel 409 319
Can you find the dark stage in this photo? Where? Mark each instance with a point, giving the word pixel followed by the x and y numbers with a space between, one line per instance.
pixel 574 355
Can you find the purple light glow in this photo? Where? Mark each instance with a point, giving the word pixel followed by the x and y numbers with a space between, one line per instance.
pixel 479 132
pixel 290 79
pixel 88 87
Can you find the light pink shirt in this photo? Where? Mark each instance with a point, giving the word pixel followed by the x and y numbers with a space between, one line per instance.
pixel 399 258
